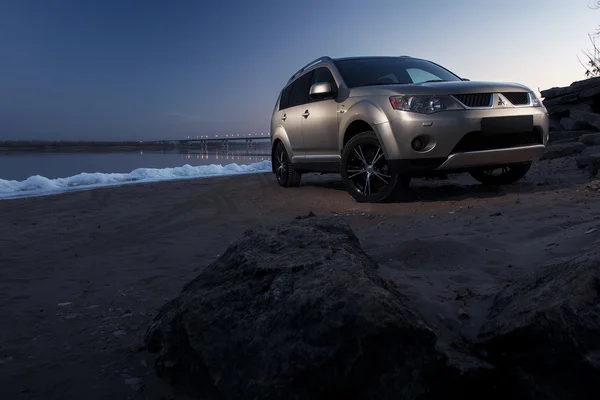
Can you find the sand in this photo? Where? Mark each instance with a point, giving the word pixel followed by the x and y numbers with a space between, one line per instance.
pixel 82 274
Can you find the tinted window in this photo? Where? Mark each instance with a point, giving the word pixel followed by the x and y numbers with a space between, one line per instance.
pixel 386 71
pixel 285 97
pixel 300 90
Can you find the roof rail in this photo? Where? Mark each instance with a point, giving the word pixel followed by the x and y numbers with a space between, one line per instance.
pixel 310 64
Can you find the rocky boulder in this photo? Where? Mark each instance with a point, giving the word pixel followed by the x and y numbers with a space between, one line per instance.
pixel 590 139
pixel 566 136
pixel 563 150
pixel 564 104
pixel 297 312
pixel 545 330
pixel 570 124
pixel 585 118
pixel 575 87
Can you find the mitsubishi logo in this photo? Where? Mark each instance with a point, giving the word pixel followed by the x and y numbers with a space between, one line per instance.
pixel 501 101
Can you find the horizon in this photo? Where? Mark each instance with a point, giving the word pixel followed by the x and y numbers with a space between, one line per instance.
pixel 150 71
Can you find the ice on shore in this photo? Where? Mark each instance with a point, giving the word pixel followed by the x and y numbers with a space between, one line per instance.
pixel 39 185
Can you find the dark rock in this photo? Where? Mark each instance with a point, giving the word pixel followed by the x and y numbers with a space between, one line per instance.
pixel 586 117
pixel 295 313
pixel 573 88
pixel 561 141
pixel 563 150
pixel 591 92
pixel 591 158
pixel 309 215
pixel 555 125
pixel 590 139
pixel 568 99
pixel 583 161
pixel 571 135
pixel 544 330
pixel 565 109
pixel 572 125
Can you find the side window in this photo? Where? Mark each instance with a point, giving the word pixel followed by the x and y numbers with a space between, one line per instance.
pixel 300 90
pixel 284 102
pixel 324 75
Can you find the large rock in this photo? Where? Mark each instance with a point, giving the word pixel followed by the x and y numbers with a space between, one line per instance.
pixel 575 87
pixel 572 98
pixel 545 329
pixel 590 139
pixel 555 125
pixel 592 159
pixel 572 125
pixel 562 150
pixel 583 161
pixel 567 135
pixel 298 312
pixel 565 109
pixel 586 117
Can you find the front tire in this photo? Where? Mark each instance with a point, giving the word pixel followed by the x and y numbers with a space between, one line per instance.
pixel 365 172
pixel 501 175
pixel 286 175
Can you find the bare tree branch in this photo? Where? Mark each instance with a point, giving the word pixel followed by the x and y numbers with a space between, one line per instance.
pixel 592 65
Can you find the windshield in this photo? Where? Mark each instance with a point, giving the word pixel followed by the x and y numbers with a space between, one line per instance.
pixel 387 71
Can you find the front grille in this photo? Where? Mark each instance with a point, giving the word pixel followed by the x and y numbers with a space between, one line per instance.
pixel 477 141
pixel 475 99
pixel 517 98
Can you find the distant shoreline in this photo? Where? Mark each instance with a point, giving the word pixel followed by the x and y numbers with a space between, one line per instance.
pixel 80 146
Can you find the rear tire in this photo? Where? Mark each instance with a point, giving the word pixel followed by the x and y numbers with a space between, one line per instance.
pixel 365 172
pixel 286 175
pixel 501 175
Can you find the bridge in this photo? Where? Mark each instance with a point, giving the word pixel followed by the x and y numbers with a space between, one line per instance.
pixel 225 140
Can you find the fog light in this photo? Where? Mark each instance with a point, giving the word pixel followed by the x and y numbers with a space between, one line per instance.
pixel 418 144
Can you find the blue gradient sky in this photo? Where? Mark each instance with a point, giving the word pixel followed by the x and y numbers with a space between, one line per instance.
pixel 117 69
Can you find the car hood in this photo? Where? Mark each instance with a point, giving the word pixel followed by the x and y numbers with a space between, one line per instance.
pixel 440 88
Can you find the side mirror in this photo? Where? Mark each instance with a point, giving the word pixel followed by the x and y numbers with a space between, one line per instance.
pixel 320 90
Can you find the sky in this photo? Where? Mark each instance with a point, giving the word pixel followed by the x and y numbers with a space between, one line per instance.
pixel 146 70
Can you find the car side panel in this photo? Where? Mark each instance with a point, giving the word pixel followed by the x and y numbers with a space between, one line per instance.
pixel 320 128
pixel 281 129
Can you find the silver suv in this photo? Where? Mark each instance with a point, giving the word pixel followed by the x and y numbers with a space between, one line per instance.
pixel 379 121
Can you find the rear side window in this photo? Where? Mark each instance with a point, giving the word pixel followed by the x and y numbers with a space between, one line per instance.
pixel 300 90
pixel 285 97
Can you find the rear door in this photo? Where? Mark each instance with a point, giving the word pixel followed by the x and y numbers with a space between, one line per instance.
pixel 292 126
pixel 320 121
pixel 292 116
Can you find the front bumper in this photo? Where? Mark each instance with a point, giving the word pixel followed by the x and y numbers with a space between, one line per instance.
pixel 444 132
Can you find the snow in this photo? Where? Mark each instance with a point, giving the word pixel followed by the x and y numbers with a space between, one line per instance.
pixel 40 186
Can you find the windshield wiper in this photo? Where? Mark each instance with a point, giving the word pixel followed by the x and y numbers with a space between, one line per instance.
pixel 435 80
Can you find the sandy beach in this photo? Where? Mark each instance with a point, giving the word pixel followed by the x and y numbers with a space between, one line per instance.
pixel 82 274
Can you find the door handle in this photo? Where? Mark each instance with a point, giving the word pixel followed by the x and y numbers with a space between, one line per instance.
pixel 306 114
pixel 284 117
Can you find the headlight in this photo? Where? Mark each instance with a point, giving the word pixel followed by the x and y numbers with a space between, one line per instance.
pixel 535 101
pixel 424 104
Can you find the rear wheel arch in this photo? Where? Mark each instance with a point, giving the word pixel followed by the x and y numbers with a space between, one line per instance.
pixel 280 137
pixel 273 147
